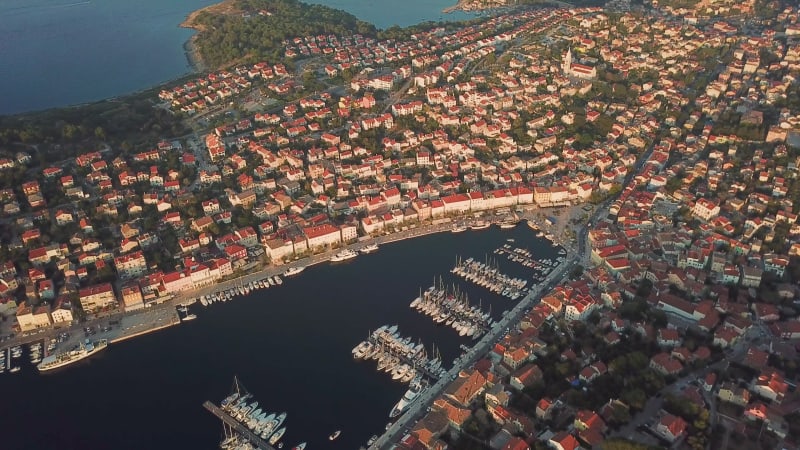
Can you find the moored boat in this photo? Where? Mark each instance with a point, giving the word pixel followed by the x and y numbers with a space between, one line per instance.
pixel 411 395
pixel 369 248
pixel 85 350
pixel 343 255
pixel 294 271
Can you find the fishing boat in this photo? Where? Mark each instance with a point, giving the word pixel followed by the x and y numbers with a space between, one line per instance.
pixel 335 435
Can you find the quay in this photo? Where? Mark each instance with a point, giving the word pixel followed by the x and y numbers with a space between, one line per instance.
pixel 232 424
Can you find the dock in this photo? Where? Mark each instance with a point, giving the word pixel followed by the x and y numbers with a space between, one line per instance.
pixel 232 424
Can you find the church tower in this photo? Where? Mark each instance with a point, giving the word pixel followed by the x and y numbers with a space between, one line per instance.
pixel 567 66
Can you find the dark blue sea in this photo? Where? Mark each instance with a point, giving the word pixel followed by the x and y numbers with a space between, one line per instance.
pixel 64 52
pixel 290 346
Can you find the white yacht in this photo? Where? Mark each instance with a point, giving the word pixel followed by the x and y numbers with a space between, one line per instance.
pixel 369 248
pixel 411 395
pixel 294 271
pixel 343 255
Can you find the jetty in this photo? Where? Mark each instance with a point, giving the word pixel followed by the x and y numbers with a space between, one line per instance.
pixel 232 427
pixel 243 422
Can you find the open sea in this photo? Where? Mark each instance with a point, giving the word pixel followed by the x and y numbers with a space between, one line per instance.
pixel 290 346
pixel 64 52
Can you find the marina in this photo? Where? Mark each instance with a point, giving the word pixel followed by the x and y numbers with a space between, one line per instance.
pixel 452 309
pixel 397 355
pixel 488 275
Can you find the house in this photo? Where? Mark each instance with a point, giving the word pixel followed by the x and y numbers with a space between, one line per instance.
pixel 526 376
pixel 671 427
pixel 665 364
pixel 545 409
pixel 593 371
pixel 563 441
pixel 730 392
pixel 466 387
pixel 770 385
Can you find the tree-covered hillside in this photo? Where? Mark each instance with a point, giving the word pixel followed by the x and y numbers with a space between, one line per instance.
pixel 259 31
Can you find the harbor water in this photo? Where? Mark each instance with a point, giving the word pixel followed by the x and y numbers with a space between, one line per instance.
pixel 289 345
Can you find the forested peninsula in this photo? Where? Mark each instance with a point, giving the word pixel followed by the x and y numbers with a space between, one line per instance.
pixel 256 29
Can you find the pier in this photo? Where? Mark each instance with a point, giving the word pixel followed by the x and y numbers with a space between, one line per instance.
pixel 232 426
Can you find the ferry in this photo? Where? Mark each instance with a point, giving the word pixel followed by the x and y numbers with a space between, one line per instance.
pixel 369 248
pixel 294 271
pixel 458 229
pixel 343 255
pixel 86 350
pixel 334 435
pixel 409 397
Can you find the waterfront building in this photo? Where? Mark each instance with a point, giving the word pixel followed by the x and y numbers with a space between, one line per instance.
pixel 32 318
pixel 62 312
pixel 97 296
pixel 132 298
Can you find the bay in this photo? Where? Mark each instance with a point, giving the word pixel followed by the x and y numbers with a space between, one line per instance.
pixel 63 52
pixel 290 346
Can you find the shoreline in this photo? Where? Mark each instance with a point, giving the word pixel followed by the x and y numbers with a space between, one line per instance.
pixel 190 47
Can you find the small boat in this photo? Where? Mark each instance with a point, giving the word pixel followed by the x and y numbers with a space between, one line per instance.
pixel 343 255
pixel 369 248
pixel 458 229
pixel 372 440
pixel 334 435
pixel 300 446
pixel 189 317
pixel 294 271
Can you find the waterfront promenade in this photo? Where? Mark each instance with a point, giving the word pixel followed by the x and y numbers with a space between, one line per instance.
pixel 128 324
